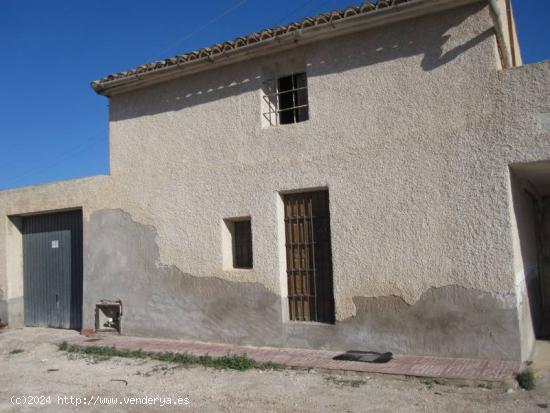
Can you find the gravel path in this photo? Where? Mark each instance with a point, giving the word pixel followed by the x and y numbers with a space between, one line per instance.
pixel 30 365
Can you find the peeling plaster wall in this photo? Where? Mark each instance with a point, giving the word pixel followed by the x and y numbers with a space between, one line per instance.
pixel 162 300
pixel 412 130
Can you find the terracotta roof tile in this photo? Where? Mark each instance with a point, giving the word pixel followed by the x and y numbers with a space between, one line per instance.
pixel 263 35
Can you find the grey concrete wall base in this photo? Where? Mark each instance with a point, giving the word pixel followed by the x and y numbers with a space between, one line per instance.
pixel 123 263
pixel 451 320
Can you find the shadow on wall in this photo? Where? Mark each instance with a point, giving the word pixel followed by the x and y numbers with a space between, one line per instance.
pixel 434 58
pixel 425 36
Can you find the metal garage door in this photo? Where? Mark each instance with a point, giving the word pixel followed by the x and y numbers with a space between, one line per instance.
pixel 52 259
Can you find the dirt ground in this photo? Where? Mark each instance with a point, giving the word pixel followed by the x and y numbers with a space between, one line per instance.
pixel 31 365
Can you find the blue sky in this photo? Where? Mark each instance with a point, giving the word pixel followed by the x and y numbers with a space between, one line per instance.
pixel 54 127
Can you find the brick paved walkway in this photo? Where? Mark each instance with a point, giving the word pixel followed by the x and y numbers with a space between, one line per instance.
pixel 419 366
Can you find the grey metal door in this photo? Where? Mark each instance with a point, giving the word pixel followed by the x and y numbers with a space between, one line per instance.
pixel 52 260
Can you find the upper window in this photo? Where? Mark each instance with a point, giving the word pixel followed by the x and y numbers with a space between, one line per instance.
pixel 289 104
pixel 293 107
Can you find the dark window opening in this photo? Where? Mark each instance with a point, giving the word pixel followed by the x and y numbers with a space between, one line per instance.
pixel 308 255
pixel 293 101
pixel 242 241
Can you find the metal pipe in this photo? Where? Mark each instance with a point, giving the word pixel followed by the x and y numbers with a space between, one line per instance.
pixel 501 36
pixel 511 32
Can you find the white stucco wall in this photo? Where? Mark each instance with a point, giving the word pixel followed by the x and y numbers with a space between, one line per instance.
pixel 393 114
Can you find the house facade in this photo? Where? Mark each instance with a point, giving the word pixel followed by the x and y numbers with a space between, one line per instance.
pixel 369 179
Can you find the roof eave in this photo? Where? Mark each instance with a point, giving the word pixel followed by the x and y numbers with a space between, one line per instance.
pixel 348 25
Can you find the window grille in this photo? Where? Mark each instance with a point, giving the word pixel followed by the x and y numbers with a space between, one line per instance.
pixel 309 259
pixel 289 103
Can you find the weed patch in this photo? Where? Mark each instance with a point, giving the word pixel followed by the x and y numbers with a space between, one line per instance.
pixel 232 361
pixel 527 379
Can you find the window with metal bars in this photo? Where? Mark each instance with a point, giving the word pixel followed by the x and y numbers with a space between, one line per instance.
pixel 242 244
pixel 289 104
pixel 308 255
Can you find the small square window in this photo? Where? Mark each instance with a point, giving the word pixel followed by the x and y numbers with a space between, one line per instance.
pixel 289 104
pixel 237 243
pixel 242 240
